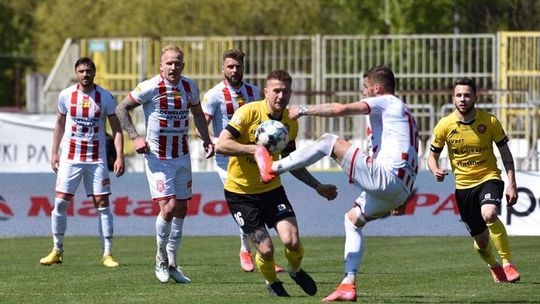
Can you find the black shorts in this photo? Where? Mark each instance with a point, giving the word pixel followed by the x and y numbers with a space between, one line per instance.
pixel 252 211
pixel 470 200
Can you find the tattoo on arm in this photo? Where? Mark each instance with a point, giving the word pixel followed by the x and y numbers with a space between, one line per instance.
pixel 259 235
pixel 304 176
pixel 122 112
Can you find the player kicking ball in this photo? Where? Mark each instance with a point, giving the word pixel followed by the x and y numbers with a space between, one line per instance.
pixel 385 175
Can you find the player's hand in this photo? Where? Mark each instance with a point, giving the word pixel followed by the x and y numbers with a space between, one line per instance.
pixel 141 146
pixel 440 174
pixel 209 148
pixel 55 162
pixel 119 166
pixel 511 195
pixel 327 191
pixel 293 113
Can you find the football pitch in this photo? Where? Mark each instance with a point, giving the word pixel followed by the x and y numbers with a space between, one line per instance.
pixel 395 270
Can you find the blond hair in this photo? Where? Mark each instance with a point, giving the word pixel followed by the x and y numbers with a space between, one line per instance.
pixel 173 48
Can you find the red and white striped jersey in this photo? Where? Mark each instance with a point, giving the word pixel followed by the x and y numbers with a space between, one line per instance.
pixel 84 136
pixel 166 111
pixel 394 136
pixel 221 102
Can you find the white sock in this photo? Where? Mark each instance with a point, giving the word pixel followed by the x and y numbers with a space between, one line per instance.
pixel 59 222
pixel 354 250
pixel 307 155
pixel 175 238
pixel 163 230
pixel 244 241
pixel 105 228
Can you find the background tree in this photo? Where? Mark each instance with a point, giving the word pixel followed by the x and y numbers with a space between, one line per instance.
pixel 33 32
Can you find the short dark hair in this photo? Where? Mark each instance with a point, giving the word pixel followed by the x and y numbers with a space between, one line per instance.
pixel 465 81
pixel 87 61
pixel 280 75
pixel 382 75
pixel 235 54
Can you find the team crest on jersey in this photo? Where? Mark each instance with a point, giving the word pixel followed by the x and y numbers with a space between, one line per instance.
pixel 240 101
pixel 481 128
pixel 86 102
pixel 106 182
pixel 177 96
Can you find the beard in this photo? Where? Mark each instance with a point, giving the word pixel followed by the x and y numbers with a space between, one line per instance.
pixel 236 80
pixel 466 110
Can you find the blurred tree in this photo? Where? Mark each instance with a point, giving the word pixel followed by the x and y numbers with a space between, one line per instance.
pixel 489 16
pixel 35 30
pixel 16 58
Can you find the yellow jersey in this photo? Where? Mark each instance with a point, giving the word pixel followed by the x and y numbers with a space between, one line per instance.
pixel 470 147
pixel 243 175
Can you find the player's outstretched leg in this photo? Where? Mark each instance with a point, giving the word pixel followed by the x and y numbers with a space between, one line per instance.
pixel 344 292
pixel 300 158
pixel 264 162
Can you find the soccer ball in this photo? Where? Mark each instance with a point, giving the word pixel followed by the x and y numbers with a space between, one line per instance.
pixel 273 135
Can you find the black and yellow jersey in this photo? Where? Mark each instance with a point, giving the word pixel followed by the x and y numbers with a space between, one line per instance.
pixel 243 175
pixel 470 147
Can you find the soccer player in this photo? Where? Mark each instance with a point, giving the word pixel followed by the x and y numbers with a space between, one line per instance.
pixel 470 134
pixel 167 99
pixel 219 104
pixel 385 175
pixel 84 107
pixel 256 205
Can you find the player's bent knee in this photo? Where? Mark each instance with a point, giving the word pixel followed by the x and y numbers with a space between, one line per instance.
pixel 356 217
pixel 326 143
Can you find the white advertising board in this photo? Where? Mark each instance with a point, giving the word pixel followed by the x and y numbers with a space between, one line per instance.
pixel 26 201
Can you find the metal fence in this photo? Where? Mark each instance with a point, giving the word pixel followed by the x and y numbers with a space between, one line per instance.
pixel 505 66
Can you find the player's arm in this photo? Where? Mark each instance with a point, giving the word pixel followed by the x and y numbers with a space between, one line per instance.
pixel 433 165
pixel 327 191
pixel 118 137
pixel 508 162
pixel 59 129
pixel 202 128
pixel 122 112
pixel 329 110
pixel 228 145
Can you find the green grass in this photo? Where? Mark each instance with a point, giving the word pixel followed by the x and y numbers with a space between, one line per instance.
pixel 395 270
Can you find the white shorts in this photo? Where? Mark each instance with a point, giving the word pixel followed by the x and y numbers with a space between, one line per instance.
pixel 169 178
pixel 96 178
pixel 382 191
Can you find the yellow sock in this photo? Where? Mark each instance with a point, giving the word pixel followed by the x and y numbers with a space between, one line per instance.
pixel 498 235
pixel 266 268
pixel 486 254
pixel 294 258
